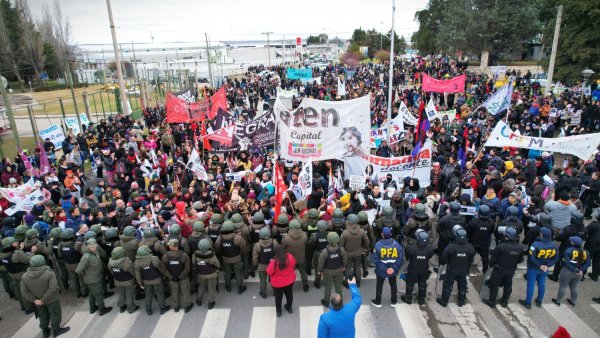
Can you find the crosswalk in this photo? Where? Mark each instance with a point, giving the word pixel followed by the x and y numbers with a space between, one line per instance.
pixel 414 321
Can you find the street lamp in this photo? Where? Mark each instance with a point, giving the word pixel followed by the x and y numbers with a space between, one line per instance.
pixel 268 34
pixel 586 75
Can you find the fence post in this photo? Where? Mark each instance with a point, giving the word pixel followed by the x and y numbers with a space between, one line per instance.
pixel 86 106
pixel 62 110
pixel 33 124
pixel 102 103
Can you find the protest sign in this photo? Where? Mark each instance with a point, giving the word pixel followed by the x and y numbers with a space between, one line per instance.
pixel 582 146
pixel 55 134
pixel 357 182
pixel 295 73
pixel 404 166
pixel 305 178
pixel 19 193
pixel 454 85
pixel 236 176
pixel 27 203
pixel 257 133
pixel 377 135
pixel 500 100
pixel 73 124
pixel 195 165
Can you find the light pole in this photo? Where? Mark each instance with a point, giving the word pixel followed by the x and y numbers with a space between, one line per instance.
pixel 391 74
pixel 268 34
pixel 122 93
pixel 586 75
pixel 9 112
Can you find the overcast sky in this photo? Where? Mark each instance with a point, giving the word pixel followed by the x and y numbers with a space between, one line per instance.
pixel 188 20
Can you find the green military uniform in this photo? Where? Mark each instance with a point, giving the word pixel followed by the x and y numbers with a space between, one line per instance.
pixel 71 257
pixel 59 266
pixel 16 263
pixel 295 243
pixel 281 228
pixel 355 242
pixel 242 229
pixel 109 243
pixel 129 242
pixel 31 240
pixel 207 267
pixel 6 281
pixel 387 219
pixel 149 271
pixel 214 228
pixel 229 245
pixel 258 223
pixel 157 247
pixel 331 264
pixel 193 240
pixel 338 221
pixel 20 233
pixel 90 269
pixel 363 223
pixel 121 268
pixel 39 285
pixel 309 225
pixel 262 253
pixel 177 264
pixel 175 233
pixel 318 243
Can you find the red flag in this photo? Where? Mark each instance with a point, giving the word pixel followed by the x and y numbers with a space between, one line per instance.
pixel 418 126
pixel 25 160
pixel 280 188
pixel 45 167
pixel 177 110
pixel 205 141
pixel 218 101
pixel 223 135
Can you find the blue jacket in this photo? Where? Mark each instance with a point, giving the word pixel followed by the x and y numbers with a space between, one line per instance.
pixel 572 262
pixel 387 254
pixel 542 252
pixel 505 205
pixel 340 323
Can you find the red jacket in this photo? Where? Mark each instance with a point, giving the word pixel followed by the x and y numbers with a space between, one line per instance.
pixel 285 277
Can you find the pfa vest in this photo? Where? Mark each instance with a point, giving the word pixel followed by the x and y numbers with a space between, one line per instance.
pixel 69 254
pixel 321 240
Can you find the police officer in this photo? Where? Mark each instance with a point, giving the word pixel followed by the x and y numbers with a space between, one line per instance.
pixel 363 223
pixel 129 242
pixel 355 242
pixel 387 219
pixel 157 247
pixel 258 223
pixel 16 263
pixel 543 254
pixel 309 225
pixel 480 232
pixel 575 261
pixel 121 268
pixel 418 256
pixel 149 271
pixel 338 221
pixel 4 254
pixel 419 220
pixel 505 258
pixel 71 257
pixel 387 256
pixel 242 229
pixel 331 265
pixel 318 242
pixel 175 233
pixel 214 228
pixel 229 246
pixel 512 220
pixel 541 220
pixel 262 253
pixel 446 224
pixel 458 256
pixel 111 240
pixel 177 263
pixel 59 267
pixel 295 244
pixel 39 287
pixel 31 240
pixel 281 228
pixel 207 267
pixel 90 269
pixel 576 228
pixel 196 236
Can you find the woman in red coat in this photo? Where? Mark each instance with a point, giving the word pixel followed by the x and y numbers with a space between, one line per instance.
pixel 282 273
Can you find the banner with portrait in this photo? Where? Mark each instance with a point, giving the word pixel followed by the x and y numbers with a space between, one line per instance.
pixel 404 166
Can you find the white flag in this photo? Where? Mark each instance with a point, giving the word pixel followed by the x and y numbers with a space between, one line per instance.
pixel 305 178
pixel 195 165
pixel 431 111
pixel 341 87
pixel 500 100
pixel 407 117
pixel 27 203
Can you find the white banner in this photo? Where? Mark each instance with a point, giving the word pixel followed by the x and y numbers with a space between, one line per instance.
pixel 377 135
pixel 500 100
pixel 27 203
pixel 311 80
pixel 320 130
pixel 55 134
pixel 431 110
pixel 72 123
pixel 341 88
pixel 407 117
pixel 404 166
pixel 15 195
pixel 195 165
pixel 288 94
pixel 582 146
pixel 443 115
pixel 305 179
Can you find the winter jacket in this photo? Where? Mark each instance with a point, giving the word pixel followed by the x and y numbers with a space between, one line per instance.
pixel 90 268
pixel 336 323
pixel 123 264
pixel 282 278
pixel 295 244
pixel 130 245
pixel 39 283
pixel 387 254
pixel 142 262
pixel 560 212
pixel 354 240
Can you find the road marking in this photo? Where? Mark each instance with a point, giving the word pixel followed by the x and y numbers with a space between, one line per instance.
pixel 264 320
pixel 215 323
pixel 79 322
pixel 167 324
pixel 365 322
pixel 30 329
pixel 567 318
pixel 520 321
pixel 310 316
pixel 468 321
pixel 595 307
pixel 412 321
pixel 121 324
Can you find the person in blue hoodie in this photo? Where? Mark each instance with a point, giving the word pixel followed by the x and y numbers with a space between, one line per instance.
pixel 387 256
pixel 338 322
pixel 543 254
pixel 575 262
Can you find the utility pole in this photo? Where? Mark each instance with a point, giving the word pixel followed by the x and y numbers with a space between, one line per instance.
pixel 103 67
pixel 268 34
pixel 391 75
pixel 554 48
pixel 9 112
pixel 113 32
pixel 178 67
pixel 69 79
pixel 210 77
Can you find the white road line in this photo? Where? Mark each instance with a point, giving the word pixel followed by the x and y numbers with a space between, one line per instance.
pixel 121 324
pixel 167 324
pixel 520 321
pixel 30 329
pixel 264 320
pixel 567 318
pixel 79 322
pixel 469 323
pixel 309 324
pixel 412 321
pixel 595 307
pixel 215 323
pixel 365 322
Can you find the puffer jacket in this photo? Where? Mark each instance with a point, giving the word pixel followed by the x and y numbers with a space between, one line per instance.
pixel 295 244
pixel 124 264
pixel 354 240
pixel 130 245
pixel 39 283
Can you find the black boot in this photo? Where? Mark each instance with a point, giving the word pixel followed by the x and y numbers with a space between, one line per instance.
pixel 241 289
pixel 441 302
pixel 165 309
pixel 122 308
pixel 105 311
pixel 489 303
pixel 60 331
pixel 46 332
pixel 188 308
pixel 211 305
pixel 407 299
pixel 317 284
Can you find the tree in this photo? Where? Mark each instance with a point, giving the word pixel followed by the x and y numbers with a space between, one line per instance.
pixel 312 40
pixel 578 40
pixel 351 58
pixel 382 55
pixel 9 37
pixel 32 44
pixel 374 40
